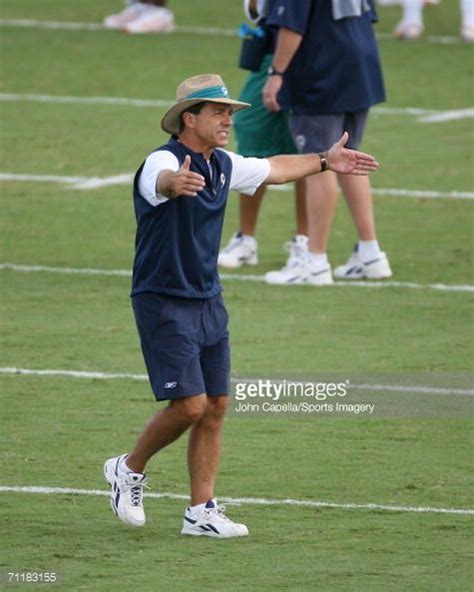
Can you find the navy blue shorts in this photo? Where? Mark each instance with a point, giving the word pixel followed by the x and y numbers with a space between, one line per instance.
pixel 185 343
pixel 317 133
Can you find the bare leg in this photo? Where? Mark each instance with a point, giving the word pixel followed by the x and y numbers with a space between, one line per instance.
pixel 359 201
pixel 204 450
pixel 249 209
pixel 321 201
pixel 300 207
pixel 164 428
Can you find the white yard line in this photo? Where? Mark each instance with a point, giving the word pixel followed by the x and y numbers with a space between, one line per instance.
pixel 453 115
pixel 85 183
pixel 237 277
pixel 411 193
pixel 251 501
pixel 98 182
pixel 422 115
pixel 76 100
pixel 48 372
pixel 68 26
pixel 66 270
pixel 62 180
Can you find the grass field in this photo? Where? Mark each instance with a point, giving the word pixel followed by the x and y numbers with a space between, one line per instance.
pixel 413 454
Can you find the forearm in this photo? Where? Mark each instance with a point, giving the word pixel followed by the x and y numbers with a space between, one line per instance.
pixel 164 185
pixel 290 167
pixel 288 42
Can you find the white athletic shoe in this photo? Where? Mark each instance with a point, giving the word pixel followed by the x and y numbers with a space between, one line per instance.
pixel 356 269
pixel 299 268
pixel 126 496
pixel 240 250
pixel 155 19
pixel 408 31
pixel 467 34
pixel 129 14
pixel 212 522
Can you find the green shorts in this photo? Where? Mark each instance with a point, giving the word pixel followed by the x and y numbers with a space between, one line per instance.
pixel 260 132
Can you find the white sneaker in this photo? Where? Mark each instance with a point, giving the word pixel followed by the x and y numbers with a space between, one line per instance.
pixel 467 34
pixel 240 250
pixel 299 268
pixel 356 269
pixel 409 31
pixel 155 19
pixel 126 497
pixel 212 522
pixel 121 19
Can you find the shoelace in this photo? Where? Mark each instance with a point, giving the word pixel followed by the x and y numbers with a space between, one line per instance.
pixel 218 511
pixel 136 494
pixel 297 256
pixel 235 242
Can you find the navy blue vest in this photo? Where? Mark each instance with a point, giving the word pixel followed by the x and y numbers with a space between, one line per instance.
pixel 177 242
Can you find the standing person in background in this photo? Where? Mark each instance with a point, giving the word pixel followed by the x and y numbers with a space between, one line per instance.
pixel 142 16
pixel 411 26
pixel 327 66
pixel 261 133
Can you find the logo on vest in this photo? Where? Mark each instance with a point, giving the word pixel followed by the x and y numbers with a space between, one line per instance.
pixel 170 385
pixel 222 179
pixel 300 141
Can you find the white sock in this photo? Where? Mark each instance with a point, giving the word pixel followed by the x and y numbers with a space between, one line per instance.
pixel 318 259
pixel 368 250
pixel 467 13
pixel 124 467
pixel 413 12
pixel 194 510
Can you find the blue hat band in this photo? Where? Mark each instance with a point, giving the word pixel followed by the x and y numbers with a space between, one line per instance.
pixel 212 92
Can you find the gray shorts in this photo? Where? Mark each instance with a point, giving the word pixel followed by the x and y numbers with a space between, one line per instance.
pixel 317 133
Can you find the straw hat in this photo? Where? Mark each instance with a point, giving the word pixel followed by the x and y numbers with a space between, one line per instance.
pixel 205 87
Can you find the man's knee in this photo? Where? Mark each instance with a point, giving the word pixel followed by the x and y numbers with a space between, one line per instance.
pixel 217 406
pixel 191 409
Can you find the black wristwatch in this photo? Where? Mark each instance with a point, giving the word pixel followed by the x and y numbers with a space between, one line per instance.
pixel 272 71
pixel 323 159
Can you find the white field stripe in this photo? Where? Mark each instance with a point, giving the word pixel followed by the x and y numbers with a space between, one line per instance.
pixel 143 377
pixel 97 182
pixel 251 501
pixel 67 26
pixel 423 115
pixel 123 101
pixel 66 270
pixel 42 178
pixel 411 193
pixel 438 39
pixel 85 183
pixel 453 115
pixel 237 277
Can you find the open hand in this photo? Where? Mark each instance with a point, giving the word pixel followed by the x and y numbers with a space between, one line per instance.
pixel 351 162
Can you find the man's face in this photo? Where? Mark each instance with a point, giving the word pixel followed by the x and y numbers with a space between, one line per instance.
pixel 213 124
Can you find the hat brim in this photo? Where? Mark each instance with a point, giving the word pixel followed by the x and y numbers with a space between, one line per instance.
pixel 171 119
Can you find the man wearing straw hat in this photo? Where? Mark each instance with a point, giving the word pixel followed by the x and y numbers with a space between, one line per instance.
pixel 180 193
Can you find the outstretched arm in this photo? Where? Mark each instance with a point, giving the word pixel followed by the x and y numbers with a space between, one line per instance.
pixel 285 168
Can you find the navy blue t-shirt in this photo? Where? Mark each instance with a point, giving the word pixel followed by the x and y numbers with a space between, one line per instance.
pixel 337 68
pixel 177 242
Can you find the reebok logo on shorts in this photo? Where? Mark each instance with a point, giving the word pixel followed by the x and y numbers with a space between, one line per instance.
pixel 171 385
